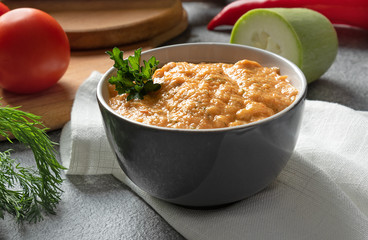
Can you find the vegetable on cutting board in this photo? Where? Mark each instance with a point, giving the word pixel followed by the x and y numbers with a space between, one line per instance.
pixel 131 78
pixel 303 36
pixel 25 192
pixel 352 12
pixel 34 51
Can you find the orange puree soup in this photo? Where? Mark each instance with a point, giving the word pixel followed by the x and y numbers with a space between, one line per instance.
pixel 209 95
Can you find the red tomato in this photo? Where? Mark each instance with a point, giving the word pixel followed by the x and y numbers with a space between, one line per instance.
pixel 3 8
pixel 34 51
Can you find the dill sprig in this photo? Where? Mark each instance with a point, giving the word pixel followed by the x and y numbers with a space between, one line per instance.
pixel 29 192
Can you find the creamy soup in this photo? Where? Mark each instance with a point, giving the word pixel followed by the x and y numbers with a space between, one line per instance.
pixel 209 95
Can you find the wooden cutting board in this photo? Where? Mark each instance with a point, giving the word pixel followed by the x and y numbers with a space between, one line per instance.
pixel 55 103
pixel 104 23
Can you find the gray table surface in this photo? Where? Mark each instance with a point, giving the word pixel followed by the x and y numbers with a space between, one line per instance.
pixel 100 207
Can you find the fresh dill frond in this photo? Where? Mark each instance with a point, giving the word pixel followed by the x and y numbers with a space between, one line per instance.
pixel 27 193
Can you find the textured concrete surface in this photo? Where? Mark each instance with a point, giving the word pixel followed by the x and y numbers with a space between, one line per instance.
pixel 100 207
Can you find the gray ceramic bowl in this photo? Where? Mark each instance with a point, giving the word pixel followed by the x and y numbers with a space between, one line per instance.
pixel 209 167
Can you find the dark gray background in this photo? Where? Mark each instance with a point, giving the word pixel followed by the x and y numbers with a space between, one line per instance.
pixel 100 207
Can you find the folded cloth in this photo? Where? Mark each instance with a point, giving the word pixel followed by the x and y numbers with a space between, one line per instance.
pixel 321 194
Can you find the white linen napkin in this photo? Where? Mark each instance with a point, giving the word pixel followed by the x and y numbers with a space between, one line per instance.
pixel 321 194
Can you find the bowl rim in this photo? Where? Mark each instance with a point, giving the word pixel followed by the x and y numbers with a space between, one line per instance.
pixel 300 97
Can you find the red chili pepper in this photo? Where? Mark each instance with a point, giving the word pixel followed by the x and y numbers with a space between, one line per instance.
pixel 3 8
pixel 348 12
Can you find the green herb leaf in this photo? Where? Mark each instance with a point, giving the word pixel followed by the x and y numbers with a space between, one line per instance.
pixel 131 77
pixel 27 193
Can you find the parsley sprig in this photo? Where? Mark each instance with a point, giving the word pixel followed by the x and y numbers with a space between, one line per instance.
pixel 131 78
pixel 28 192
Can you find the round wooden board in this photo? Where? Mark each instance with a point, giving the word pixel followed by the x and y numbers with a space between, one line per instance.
pixel 100 24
